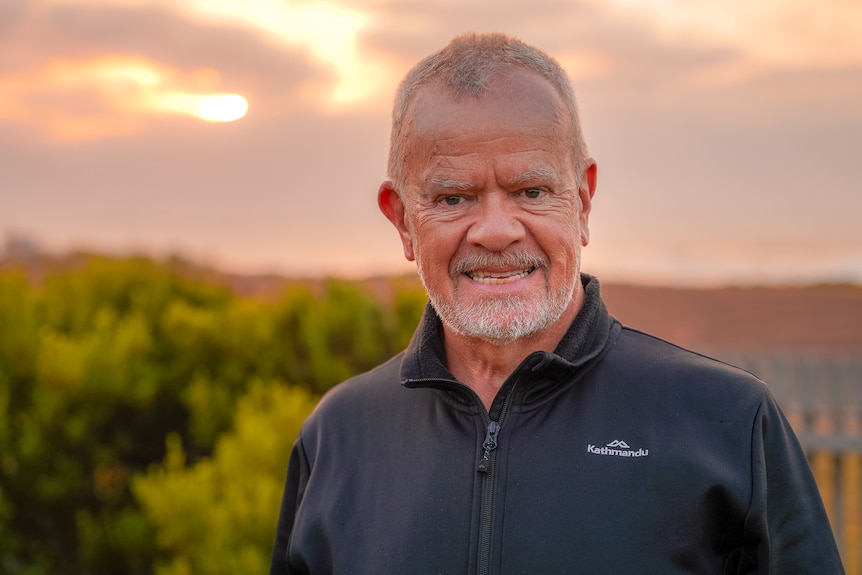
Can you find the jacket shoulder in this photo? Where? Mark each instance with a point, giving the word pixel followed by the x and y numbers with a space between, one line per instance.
pixel 366 393
pixel 656 360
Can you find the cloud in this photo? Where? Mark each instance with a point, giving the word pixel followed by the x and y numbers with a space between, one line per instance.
pixel 652 51
pixel 81 72
pixel 326 29
pixel 786 33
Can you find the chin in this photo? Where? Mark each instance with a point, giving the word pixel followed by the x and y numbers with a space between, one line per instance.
pixel 503 319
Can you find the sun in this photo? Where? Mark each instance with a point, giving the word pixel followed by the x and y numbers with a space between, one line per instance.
pixel 208 107
pixel 220 107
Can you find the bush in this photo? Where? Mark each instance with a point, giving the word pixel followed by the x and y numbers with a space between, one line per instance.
pixel 119 364
pixel 218 516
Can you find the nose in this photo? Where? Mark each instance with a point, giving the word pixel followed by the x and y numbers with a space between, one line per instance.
pixel 496 225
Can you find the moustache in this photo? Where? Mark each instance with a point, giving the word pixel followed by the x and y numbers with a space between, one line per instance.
pixel 513 259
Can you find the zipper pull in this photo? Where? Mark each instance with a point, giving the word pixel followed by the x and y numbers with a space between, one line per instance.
pixel 490 444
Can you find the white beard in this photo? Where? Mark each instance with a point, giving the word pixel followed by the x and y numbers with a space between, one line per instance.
pixel 501 319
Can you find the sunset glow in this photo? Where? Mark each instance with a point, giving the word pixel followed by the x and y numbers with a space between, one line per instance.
pixel 208 107
pixel 725 131
pixel 109 96
pixel 328 31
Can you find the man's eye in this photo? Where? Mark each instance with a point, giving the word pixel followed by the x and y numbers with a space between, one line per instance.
pixel 453 200
pixel 532 193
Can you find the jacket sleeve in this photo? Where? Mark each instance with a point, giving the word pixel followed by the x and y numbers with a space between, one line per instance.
pixel 297 477
pixel 787 529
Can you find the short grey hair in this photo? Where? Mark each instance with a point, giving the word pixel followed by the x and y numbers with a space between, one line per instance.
pixel 467 65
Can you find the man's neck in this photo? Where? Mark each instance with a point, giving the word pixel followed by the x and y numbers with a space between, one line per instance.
pixel 485 365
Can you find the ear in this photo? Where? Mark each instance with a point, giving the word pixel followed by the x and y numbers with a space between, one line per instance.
pixel 393 208
pixel 586 192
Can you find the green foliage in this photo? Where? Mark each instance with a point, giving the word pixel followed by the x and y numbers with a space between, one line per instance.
pixel 343 333
pixel 218 516
pixel 88 405
pixel 408 308
pixel 101 364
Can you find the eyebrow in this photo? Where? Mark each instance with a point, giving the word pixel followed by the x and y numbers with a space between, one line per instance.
pixel 450 184
pixel 534 175
pixel 537 174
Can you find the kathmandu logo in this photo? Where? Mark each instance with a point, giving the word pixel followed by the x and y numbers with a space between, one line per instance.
pixel 617 448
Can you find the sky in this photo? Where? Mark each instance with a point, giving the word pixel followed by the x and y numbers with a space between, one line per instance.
pixel 252 135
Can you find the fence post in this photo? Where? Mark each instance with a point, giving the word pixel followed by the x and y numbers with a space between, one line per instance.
pixel 851 471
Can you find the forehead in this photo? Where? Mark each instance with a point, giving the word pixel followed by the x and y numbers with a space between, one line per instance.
pixel 517 97
pixel 522 124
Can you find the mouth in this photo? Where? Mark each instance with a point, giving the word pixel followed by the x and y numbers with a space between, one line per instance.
pixel 504 277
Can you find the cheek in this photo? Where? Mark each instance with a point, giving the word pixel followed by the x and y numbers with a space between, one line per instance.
pixel 561 243
pixel 427 247
pixel 435 236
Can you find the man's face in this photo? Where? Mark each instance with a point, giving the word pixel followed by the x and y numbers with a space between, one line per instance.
pixel 492 211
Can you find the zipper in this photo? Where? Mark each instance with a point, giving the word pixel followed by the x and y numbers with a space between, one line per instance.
pixel 490 444
pixel 487 467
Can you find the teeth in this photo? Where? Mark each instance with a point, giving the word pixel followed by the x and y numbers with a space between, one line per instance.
pixel 499 277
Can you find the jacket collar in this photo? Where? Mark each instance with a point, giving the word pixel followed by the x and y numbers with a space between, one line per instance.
pixel 424 360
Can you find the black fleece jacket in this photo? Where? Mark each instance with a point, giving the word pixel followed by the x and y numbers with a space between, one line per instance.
pixel 619 453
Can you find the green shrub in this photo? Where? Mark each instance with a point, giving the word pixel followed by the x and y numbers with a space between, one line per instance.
pixel 217 516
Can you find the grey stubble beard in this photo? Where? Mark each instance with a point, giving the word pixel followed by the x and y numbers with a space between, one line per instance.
pixel 506 319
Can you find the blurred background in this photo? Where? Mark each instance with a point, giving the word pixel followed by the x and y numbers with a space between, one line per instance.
pixel 191 252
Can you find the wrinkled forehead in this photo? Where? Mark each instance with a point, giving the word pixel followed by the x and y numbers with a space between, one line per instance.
pixel 521 115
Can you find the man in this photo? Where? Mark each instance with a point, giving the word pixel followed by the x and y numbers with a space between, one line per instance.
pixel 524 430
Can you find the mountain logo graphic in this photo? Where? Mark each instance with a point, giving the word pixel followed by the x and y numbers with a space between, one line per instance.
pixel 618 443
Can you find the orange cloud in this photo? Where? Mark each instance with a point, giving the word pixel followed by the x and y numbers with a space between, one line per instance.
pixel 786 33
pixel 109 97
pixel 328 30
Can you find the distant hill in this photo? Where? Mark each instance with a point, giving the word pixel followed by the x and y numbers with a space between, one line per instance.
pixel 820 318
pixel 825 318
